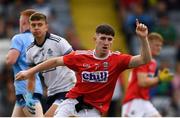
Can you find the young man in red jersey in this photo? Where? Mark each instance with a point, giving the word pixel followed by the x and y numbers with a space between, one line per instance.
pixel 136 102
pixel 97 72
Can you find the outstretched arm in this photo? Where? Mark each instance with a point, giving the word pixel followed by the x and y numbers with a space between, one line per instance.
pixel 48 64
pixel 145 55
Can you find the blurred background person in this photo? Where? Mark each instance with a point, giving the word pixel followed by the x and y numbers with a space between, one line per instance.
pixel 27 100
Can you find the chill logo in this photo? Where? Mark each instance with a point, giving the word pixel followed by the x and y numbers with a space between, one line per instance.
pixel 98 76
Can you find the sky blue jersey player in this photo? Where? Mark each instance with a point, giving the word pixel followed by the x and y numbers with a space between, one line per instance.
pixel 27 103
pixel 21 42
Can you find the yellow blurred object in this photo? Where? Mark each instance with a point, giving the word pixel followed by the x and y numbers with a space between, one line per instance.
pixel 165 75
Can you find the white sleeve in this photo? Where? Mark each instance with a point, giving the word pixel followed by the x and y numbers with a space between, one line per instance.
pixel 64 46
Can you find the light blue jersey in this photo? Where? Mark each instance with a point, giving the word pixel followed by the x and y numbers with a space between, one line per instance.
pixel 20 42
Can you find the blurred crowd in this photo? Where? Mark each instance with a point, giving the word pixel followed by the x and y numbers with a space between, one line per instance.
pixel 162 16
pixel 57 12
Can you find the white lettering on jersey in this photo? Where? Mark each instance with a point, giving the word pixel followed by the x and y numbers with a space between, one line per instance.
pixel 98 76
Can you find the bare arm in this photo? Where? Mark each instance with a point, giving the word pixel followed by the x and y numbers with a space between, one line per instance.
pixel 12 56
pixel 31 84
pixel 145 55
pixel 48 64
pixel 145 81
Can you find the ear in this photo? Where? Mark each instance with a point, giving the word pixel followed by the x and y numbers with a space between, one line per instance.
pixel 94 38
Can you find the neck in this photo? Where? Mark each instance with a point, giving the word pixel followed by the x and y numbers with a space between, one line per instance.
pixel 100 55
pixel 40 40
pixel 24 29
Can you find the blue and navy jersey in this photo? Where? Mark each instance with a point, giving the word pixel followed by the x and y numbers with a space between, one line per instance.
pixel 20 42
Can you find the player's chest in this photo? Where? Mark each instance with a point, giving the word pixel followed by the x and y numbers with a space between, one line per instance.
pixel 44 53
pixel 97 65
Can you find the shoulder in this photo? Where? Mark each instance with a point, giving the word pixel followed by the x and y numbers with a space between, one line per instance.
pixel 22 36
pixel 17 36
pixel 116 53
pixel 83 52
pixel 17 39
pixel 55 38
pixel 30 46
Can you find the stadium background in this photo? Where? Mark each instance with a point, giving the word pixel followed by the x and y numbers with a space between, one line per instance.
pixel 76 20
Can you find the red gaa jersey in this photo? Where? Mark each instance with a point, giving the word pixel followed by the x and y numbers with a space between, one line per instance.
pixel 135 91
pixel 96 77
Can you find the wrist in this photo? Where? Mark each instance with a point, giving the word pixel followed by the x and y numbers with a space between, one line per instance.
pixel 31 71
pixel 29 94
pixel 143 37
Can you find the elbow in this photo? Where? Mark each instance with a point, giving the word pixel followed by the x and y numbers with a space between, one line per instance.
pixel 147 60
pixel 9 61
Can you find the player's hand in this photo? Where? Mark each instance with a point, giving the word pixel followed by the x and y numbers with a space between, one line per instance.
pixel 30 103
pixel 141 30
pixel 165 75
pixel 22 75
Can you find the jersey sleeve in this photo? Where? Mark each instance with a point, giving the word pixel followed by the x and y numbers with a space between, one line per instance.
pixel 16 43
pixel 65 47
pixel 71 61
pixel 124 60
pixel 142 68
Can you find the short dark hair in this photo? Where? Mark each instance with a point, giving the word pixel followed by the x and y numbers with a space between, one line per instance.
pixel 38 16
pixel 105 29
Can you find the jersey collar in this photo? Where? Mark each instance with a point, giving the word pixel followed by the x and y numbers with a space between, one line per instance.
pixel 46 37
pixel 98 57
pixel 27 31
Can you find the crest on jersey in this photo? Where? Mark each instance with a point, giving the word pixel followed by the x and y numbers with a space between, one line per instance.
pixel 105 65
pixel 50 52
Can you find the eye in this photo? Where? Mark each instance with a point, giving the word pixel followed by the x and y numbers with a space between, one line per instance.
pixel 110 39
pixel 33 25
pixel 40 24
pixel 103 38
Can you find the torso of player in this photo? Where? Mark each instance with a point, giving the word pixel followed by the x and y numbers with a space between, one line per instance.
pixel 96 78
pixel 134 91
pixel 58 79
pixel 20 42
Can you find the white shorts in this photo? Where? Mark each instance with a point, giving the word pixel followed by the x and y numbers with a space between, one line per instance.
pixel 67 108
pixel 139 108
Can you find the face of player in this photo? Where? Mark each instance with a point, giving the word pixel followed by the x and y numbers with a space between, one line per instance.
pixel 39 29
pixel 156 47
pixel 103 44
pixel 23 19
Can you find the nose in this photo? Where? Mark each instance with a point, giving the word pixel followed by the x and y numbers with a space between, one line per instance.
pixel 106 41
pixel 36 27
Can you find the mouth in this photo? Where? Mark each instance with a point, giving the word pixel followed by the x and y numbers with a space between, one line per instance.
pixel 105 48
